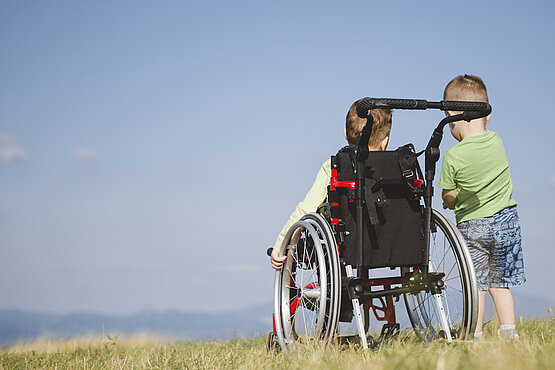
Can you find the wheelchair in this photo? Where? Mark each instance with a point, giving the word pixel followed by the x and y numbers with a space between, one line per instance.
pixel 379 214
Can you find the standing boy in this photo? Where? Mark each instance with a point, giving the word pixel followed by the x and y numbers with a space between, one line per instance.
pixel 476 183
pixel 319 190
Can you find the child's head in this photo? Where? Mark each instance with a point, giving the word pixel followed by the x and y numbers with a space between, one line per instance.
pixel 466 88
pixel 380 129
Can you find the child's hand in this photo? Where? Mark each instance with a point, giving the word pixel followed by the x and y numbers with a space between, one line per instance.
pixel 277 259
pixel 445 206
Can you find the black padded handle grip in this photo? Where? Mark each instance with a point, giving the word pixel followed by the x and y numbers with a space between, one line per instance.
pixel 365 104
pixel 470 115
pixel 466 106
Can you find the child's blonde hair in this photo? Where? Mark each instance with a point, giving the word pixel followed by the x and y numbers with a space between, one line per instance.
pixel 380 129
pixel 466 88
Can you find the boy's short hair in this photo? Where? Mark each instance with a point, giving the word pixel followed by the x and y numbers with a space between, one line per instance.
pixel 380 129
pixel 466 88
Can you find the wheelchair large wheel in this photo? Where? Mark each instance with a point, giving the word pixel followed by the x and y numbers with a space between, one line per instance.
pixel 451 312
pixel 307 289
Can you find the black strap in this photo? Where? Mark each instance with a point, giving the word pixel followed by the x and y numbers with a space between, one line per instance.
pixel 408 162
pixel 379 195
pixel 370 200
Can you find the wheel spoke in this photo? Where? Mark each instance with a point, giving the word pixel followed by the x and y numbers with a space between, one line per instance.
pixel 451 270
pixel 452 278
pixel 447 256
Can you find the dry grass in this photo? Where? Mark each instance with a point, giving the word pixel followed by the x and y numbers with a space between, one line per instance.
pixel 536 350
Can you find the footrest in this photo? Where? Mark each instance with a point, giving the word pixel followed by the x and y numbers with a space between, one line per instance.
pixel 389 331
pixel 272 343
pixel 355 340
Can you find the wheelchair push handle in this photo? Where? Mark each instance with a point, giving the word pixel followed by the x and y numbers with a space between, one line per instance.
pixel 365 104
pixel 472 110
pixel 466 106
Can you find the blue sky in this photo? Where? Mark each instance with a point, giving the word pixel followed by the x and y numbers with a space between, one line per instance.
pixel 150 152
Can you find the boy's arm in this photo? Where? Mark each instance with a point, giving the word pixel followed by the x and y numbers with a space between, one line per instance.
pixel 315 197
pixel 449 198
pixel 447 181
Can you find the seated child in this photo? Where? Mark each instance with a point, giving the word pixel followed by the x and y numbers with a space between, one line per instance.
pixel 319 191
pixel 477 184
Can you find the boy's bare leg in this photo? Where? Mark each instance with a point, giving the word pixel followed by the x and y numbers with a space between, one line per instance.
pixel 481 310
pixel 504 305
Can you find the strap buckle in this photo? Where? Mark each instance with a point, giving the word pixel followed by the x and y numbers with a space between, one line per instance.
pixel 408 173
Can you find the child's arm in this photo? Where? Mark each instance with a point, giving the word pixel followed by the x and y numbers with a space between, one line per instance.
pixel 449 198
pixel 315 197
pixel 447 181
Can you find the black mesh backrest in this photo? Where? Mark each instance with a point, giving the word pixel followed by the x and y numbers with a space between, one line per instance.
pixel 395 239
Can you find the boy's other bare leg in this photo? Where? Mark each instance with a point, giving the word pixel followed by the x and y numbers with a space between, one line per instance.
pixel 481 310
pixel 504 305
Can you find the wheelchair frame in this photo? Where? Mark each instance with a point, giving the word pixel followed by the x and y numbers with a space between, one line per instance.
pixel 311 310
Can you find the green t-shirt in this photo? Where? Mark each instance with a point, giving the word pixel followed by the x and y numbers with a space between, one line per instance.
pixel 478 168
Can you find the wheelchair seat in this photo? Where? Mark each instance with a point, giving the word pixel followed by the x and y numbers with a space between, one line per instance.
pixel 392 221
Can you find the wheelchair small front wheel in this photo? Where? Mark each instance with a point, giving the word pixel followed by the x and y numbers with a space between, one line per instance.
pixel 307 289
pixel 453 307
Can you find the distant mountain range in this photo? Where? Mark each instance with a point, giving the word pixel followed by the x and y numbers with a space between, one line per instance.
pixel 17 325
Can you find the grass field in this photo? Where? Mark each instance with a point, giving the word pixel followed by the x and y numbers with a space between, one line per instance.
pixel 536 350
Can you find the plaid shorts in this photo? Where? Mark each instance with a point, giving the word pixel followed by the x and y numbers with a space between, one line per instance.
pixel 495 248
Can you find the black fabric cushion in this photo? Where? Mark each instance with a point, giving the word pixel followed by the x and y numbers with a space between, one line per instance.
pixel 396 239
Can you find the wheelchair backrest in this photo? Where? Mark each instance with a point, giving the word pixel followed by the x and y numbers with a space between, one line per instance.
pixel 392 222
